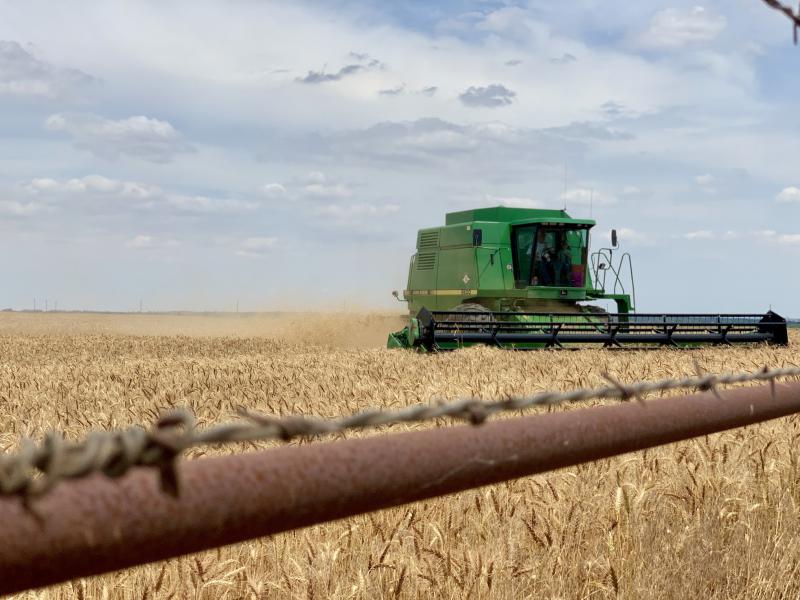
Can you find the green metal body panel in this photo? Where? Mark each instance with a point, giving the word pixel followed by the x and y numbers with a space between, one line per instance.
pixel 505 215
pixel 450 267
pixel 471 260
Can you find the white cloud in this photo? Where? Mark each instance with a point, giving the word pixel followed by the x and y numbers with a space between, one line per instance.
pixel 19 209
pixel 512 201
pixel 512 22
pixel 259 243
pixel 232 65
pixel 256 247
pixel 322 190
pixel 139 190
pixel 206 204
pixel 141 196
pixel 759 234
pixel 632 191
pixel 586 196
pixel 315 177
pixel 139 136
pixel 313 186
pixel 789 194
pixel 702 234
pixel 704 180
pixel 91 184
pixel 140 241
pixel 586 130
pixel 22 74
pixel 318 186
pixel 762 235
pixel 95 183
pixel 365 218
pixel 148 242
pixel 273 190
pixel 626 234
pixel 42 184
pixel 427 145
pixel 792 239
pixel 672 28
pixel 350 211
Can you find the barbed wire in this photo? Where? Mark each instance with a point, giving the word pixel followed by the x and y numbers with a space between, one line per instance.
pixel 793 16
pixel 36 469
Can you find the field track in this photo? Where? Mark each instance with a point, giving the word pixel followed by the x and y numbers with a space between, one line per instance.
pixel 714 518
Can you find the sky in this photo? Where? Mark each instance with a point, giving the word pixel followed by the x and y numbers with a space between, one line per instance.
pixel 193 155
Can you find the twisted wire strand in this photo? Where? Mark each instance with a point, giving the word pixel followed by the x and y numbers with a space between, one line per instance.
pixel 793 16
pixel 35 469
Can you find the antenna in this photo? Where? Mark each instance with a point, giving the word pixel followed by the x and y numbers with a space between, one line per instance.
pixel 591 198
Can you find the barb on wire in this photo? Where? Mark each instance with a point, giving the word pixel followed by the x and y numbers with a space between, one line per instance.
pixel 793 16
pixel 34 470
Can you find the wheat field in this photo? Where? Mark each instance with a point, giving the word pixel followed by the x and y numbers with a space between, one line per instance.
pixel 715 517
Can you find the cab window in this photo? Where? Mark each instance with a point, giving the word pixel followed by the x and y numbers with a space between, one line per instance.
pixel 522 240
pixel 559 257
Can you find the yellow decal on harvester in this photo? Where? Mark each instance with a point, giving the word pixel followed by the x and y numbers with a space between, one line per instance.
pixel 440 293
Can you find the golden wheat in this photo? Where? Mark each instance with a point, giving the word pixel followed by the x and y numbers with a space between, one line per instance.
pixel 715 517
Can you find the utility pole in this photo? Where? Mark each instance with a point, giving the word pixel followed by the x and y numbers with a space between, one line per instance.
pixel 34 305
pixel 45 305
pixel 237 306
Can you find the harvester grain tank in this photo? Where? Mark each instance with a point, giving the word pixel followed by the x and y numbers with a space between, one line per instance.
pixel 525 278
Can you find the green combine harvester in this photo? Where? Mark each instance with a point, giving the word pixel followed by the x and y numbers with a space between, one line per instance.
pixel 521 279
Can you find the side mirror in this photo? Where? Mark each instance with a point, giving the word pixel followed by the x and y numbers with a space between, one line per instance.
pixel 614 242
pixel 396 294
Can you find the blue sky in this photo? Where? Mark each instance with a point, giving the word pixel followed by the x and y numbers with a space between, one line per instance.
pixel 283 154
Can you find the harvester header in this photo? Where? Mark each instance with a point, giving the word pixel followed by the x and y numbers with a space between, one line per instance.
pixel 525 278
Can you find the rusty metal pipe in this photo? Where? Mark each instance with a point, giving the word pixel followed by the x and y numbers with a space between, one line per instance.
pixel 97 525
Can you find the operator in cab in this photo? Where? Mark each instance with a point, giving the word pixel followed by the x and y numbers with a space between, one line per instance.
pixel 543 261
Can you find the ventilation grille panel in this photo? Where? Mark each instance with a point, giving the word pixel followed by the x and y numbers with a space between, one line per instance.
pixel 426 261
pixel 428 239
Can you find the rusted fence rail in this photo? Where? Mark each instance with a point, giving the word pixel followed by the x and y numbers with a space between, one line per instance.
pixel 94 525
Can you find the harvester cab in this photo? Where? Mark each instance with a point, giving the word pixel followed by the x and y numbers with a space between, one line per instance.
pixel 525 278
